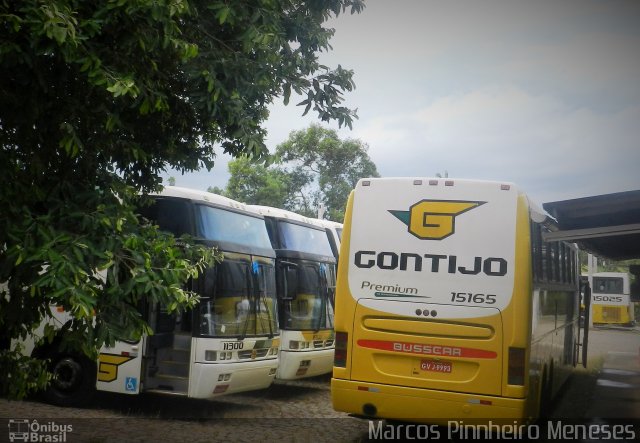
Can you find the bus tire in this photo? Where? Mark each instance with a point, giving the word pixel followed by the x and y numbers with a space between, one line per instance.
pixel 73 382
pixel 545 395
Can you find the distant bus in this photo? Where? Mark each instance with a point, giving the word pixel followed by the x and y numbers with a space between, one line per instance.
pixel 449 305
pixel 610 299
pixel 228 343
pixel 334 232
pixel 306 285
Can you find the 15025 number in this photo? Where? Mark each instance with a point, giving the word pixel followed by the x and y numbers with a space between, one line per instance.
pixel 468 297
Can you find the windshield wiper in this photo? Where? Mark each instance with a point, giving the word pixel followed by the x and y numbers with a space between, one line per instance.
pixel 323 293
pixel 262 297
pixel 290 287
pixel 250 293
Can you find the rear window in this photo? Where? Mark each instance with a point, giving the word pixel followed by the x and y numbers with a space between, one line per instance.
pixel 607 285
pixel 171 215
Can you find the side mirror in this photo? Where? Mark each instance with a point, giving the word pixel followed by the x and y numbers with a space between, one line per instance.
pixel 587 313
pixel 290 285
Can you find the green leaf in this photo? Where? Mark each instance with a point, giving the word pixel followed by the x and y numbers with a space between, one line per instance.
pixel 222 15
pixel 98 100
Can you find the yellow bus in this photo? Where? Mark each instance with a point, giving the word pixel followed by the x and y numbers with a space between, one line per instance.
pixel 610 299
pixel 449 305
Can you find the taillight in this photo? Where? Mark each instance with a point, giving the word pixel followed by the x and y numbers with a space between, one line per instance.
pixel 516 366
pixel 340 354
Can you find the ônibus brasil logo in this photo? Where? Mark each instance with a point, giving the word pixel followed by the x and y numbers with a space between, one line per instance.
pixel 26 430
pixel 434 219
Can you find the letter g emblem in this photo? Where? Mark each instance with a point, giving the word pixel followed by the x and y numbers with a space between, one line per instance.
pixel 434 219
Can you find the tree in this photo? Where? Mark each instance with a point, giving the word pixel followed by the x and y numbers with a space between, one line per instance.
pixel 215 190
pixel 331 166
pixel 97 99
pixel 255 183
pixel 312 167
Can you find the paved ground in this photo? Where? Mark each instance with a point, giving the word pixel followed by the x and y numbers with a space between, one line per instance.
pixel 298 411
pixel 617 391
pixel 301 411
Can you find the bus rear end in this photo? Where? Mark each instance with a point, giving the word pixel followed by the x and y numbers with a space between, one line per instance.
pixel 432 314
pixel 611 300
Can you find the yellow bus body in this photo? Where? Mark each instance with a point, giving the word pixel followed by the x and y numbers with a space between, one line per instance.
pixel 423 360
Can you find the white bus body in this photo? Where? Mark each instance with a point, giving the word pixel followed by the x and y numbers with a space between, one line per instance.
pixel 334 232
pixel 306 283
pixel 228 343
pixel 611 298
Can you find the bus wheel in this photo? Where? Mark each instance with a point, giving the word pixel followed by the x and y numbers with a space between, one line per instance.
pixel 545 395
pixel 73 382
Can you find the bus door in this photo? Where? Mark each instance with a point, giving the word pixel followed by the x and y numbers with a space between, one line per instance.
pixel 426 345
pixel 120 367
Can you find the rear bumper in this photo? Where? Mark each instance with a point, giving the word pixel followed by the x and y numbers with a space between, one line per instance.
pixel 423 405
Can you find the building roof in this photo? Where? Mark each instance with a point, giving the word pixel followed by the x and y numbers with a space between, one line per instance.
pixel 605 225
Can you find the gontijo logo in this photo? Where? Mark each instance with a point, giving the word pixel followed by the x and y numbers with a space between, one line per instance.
pixel 108 366
pixel 434 219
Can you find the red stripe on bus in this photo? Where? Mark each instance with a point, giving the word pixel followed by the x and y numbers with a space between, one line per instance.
pixel 426 349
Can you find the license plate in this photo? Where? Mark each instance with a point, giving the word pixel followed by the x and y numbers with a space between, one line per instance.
pixel 436 366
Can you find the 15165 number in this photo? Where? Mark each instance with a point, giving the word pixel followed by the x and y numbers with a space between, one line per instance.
pixel 468 297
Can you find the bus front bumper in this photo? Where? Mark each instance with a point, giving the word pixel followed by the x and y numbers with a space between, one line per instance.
pixel 210 380
pixel 302 364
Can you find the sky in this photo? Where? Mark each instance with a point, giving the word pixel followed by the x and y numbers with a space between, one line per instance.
pixel 544 94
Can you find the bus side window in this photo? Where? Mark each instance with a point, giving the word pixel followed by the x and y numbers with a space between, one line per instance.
pixel 537 251
pixel 170 215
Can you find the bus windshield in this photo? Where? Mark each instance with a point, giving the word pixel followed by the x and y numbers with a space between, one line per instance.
pixel 309 289
pixel 304 239
pixel 228 226
pixel 239 300
pixel 608 285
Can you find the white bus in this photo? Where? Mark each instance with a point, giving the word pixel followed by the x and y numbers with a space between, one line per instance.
pixel 334 232
pixel 449 305
pixel 611 299
pixel 228 343
pixel 306 285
